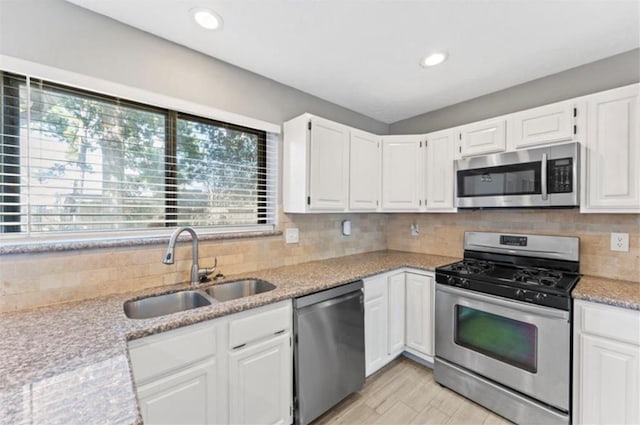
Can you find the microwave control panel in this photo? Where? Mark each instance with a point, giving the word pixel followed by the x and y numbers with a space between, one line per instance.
pixel 560 175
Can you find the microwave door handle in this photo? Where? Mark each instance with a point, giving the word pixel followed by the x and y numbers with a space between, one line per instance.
pixel 543 177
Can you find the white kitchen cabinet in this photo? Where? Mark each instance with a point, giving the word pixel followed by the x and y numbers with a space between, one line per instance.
pixel 544 125
pixel 260 382
pixel 420 290
pixel 364 171
pixel 611 154
pixel 402 166
pixel 384 304
pixel 177 375
pixel 396 314
pixel 483 137
pixel 187 396
pixel 606 364
pixel 376 323
pixel 439 171
pixel 316 165
pixel 234 369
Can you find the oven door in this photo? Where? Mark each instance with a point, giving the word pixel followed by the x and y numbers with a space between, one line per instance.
pixel 522 346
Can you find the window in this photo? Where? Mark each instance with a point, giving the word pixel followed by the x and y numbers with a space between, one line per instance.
pixel 75 161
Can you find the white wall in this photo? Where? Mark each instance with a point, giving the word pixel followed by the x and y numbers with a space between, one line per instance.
pixel 62 35
pixel 608 73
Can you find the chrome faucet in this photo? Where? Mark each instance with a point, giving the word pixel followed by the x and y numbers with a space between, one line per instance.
pixel 196 272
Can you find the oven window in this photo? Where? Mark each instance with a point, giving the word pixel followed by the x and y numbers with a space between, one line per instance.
pixel 516 179
pixel 504 339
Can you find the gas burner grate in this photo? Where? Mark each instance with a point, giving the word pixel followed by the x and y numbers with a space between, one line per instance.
pixel 542 277
pixel 472 267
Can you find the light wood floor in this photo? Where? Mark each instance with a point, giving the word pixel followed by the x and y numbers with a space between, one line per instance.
pixel 404 392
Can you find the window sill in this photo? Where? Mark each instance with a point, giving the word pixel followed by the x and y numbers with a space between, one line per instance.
pixel 48 246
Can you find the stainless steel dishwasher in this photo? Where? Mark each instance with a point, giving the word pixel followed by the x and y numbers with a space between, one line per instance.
pixel 329 349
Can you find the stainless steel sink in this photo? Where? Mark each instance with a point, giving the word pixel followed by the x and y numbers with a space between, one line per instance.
pixel 161 305
pixel 239 289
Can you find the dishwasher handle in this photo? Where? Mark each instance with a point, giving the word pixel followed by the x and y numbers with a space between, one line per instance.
pixel 328 294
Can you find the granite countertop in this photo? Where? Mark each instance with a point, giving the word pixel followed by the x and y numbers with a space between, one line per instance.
pixel 620 293
pixel 69 363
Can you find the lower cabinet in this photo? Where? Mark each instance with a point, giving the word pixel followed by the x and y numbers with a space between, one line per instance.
pixel 260 383
pixel 191 389
pixel 419 315
pixel 236 369
pixel 398 316
pixel 606 364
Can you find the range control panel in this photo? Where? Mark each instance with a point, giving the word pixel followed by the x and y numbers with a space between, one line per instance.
pixel 513 240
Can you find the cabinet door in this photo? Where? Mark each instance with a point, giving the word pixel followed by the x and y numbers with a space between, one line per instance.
pixel 612 154
pixel 609 379
pixel 328 165
pixel 419 313
pixel 396 314
pixel 184 397
pixel 439 170
pixel 543 125
pixel 483 137
pixel 375 323
pixel 260 383
pixel 401 173
pixel 364 171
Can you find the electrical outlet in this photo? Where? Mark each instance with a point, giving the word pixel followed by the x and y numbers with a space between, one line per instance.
pixel 292 235
pixel 620 242
pixel 415 229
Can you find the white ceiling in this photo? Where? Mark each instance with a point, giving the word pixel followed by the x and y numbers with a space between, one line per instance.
pixel 364 54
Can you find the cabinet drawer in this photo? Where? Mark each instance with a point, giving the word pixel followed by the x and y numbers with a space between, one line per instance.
pixel 158 354
pixel 610 322
pixel 259 325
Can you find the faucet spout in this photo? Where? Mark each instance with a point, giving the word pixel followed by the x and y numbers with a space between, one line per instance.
pixel 171 252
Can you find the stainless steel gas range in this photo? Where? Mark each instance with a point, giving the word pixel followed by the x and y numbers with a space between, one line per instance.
pixel 503 324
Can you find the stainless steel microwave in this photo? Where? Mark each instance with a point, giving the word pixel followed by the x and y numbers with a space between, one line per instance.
pixel 542 177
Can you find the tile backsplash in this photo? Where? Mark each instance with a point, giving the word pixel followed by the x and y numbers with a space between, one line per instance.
pixel 443 234
pixel 30 280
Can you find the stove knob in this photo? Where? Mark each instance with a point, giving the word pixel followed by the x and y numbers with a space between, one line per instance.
pixel 520 293
pixel 451 280
pixel 464 283
pixel 540 297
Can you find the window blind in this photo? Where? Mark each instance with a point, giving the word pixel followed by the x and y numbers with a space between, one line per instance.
pixel 82 162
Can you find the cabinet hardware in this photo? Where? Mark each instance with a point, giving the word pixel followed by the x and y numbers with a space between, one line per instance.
pixel 420 144
pixel 575 129
pixel 460 149
pixel 238 346
pixel 279 332
pixel 575 112
pixel 460 136
pixel 309 125
pixel 420 202
pixel 308 200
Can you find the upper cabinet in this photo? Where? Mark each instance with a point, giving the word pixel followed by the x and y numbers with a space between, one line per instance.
pixel 364 171
pixel 439 171
pixel 544 125
pixel 402 166
pixel 611 152
pixel 316 165
pixel 483 137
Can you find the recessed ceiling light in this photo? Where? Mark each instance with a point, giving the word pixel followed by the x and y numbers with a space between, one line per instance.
pixel 207 18
pixel 434 59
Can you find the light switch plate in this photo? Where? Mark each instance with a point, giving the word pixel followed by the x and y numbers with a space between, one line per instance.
pixel 292 235
pixel 620 242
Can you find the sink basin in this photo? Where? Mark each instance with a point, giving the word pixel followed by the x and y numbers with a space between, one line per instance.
pixel 239 289
pixel 160 305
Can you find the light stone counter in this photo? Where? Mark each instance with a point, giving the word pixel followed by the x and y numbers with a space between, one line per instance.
pixel 620 293
pixel 69 363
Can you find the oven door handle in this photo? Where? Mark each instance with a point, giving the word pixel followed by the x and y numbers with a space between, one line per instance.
pixel 543 177
pixel 529 308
